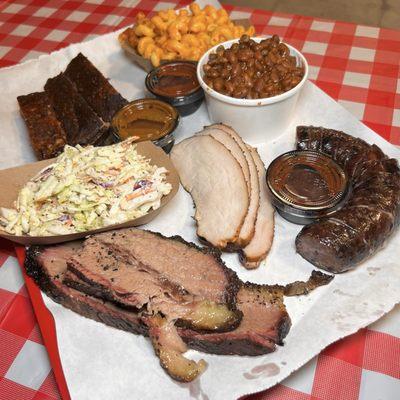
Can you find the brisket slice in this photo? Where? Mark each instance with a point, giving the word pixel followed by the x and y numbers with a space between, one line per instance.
pixel 46 134
pixel 51 263
pixel 197 269
pixel 80 122
pixel 169 347
pixel 265 321
pixel 94 87
pixel 346 238
pixel 137 283
pixel 154 296
pixel 47 266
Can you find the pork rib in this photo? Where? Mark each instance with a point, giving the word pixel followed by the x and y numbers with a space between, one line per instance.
pixel 94 87
pixel 46 134
pixel 81 124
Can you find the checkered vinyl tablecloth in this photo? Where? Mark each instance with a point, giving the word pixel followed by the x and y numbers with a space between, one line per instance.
pixel 356 65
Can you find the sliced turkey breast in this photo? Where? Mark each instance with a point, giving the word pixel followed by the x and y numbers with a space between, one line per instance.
pixel 248 228
pixel 231 144
pixel 258 248
pixel 215 180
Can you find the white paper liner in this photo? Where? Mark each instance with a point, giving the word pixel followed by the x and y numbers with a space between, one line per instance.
pixel 103 363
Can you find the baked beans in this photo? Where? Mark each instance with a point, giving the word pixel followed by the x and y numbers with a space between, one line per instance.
pixel 252 70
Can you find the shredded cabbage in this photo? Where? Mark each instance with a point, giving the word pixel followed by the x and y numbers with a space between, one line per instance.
pixel 87 188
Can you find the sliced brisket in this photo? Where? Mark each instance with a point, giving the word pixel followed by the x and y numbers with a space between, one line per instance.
pixel 199 270
pixel 48 265
pixel 140 283
pixel 80 279
pixel 265 323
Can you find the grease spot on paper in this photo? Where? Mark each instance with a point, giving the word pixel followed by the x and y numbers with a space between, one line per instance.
pixel 341 293
pixel 195 390
pixel 262 370
pixel 373 270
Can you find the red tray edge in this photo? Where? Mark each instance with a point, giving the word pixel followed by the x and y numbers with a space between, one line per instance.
pixel 47 326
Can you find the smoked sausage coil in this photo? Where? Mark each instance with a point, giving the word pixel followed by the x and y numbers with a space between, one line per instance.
pixel 348 237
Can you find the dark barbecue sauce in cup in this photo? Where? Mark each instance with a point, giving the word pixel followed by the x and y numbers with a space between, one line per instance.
pixel 177 84
pixel 175 81
pixel 306 185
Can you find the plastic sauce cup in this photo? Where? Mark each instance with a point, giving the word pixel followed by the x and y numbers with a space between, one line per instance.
pixel 147 119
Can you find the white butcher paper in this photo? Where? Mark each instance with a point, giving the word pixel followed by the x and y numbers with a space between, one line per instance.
pixel 100 362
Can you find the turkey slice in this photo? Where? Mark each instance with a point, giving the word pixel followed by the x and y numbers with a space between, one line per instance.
pixel 225 139
pixel 258 248
pixel 215 180
pixel 221 136
pixel 251 174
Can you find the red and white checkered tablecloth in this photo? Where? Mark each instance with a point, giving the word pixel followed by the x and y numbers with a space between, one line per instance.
pixel 359 66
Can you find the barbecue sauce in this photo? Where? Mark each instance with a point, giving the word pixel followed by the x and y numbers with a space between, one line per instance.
pixel 176 83
pixel 306 185
pixel 147 119
pixel 175 79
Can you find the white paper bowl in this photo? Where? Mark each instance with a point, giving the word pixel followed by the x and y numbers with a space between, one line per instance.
pixel 256 120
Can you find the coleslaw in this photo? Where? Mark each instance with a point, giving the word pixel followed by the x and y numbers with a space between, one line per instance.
pixel 87 188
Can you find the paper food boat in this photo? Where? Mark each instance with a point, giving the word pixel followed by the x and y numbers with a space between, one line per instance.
pixel 13 179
